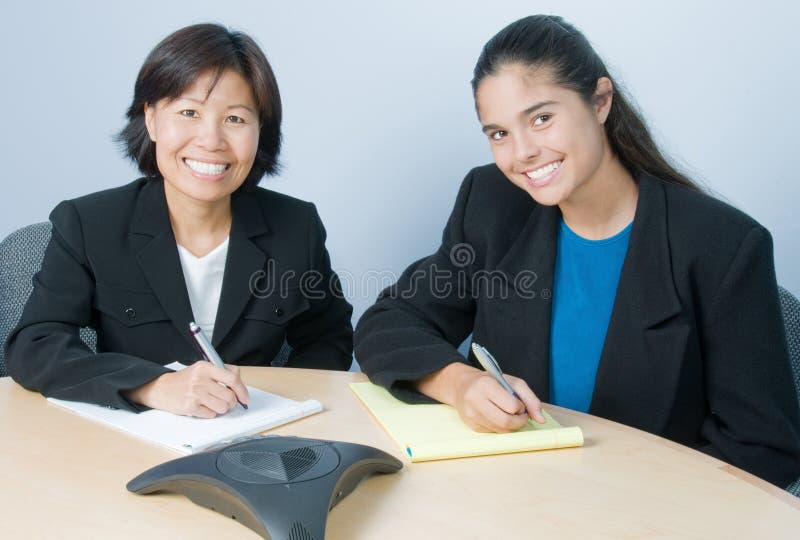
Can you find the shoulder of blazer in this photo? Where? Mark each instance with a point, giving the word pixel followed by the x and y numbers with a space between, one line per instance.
pixel 692 215
pixel 101 214
pixel 493 201
pixel 272 201
pixel 488 217
pixel 491 187
pixel 291 218
pixel 112 201
pixel 705 238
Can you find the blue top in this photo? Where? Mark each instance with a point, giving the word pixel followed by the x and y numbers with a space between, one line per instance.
pixel 586 278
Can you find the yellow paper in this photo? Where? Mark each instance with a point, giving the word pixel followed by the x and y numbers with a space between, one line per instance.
pixel 429 432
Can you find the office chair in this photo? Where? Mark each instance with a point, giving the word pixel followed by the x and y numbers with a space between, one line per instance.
pixel 790 307
pixel 21 254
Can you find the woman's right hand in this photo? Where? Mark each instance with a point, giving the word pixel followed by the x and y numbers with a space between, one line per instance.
pixel 194 391
pixel 483 404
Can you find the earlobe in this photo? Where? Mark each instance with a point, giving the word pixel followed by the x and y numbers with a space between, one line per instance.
pixel 149 121
pixel 603 97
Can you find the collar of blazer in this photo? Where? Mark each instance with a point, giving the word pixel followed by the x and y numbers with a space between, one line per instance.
pixel 157 255
pixel 645 341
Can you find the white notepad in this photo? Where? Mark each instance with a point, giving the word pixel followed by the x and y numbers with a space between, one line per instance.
pixel 186 434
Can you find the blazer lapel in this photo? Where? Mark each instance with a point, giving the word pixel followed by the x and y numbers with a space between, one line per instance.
pixel 244 259
pixel 645 341
pixel 158 256
pixel 525 336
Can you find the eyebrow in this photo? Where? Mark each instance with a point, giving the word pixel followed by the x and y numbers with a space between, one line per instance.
pixel 530 110
pixel 202 101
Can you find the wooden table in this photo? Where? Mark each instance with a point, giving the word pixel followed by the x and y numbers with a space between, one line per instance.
pixel 64 477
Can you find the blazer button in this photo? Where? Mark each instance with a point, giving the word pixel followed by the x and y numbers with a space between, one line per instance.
pixel 279 312
pixel 130 312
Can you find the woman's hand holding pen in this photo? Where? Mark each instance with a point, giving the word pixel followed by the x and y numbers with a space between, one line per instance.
pixel 194 391
pixel 481 402
pixel 484 405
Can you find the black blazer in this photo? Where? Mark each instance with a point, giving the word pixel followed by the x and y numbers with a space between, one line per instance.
pixel 113 264
pixel 695 349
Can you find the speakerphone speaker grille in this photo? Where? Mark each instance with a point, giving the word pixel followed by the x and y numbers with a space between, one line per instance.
pixel 282 466
pixel 298 532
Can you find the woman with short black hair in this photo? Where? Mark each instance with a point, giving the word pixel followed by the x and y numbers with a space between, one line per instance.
pixel 193 241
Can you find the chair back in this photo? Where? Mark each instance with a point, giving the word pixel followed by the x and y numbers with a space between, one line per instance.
pixel 790 307
pixel 21 254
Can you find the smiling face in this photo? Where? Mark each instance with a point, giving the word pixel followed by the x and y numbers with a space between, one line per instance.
pixel 205 142
pixel 545 138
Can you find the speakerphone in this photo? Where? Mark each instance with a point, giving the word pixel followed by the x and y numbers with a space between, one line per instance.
pixel 281 487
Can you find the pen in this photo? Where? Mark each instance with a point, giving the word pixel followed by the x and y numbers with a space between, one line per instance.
pixel 490 365
pixel 208 350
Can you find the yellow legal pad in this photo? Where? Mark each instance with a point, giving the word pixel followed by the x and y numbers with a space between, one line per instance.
pixel 429 432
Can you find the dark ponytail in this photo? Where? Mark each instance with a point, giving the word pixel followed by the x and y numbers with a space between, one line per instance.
pixel 549 41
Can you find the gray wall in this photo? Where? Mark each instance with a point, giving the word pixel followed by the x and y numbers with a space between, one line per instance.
pixel 379 120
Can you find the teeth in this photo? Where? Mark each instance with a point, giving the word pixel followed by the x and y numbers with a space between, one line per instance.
pixel 547 169
pixel 206 168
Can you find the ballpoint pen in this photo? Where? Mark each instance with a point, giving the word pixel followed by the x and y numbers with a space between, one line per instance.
pixel 490 365
pixel 208 350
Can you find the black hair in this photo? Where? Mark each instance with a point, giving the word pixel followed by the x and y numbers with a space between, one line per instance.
pixel 546 41
pixel 176 63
